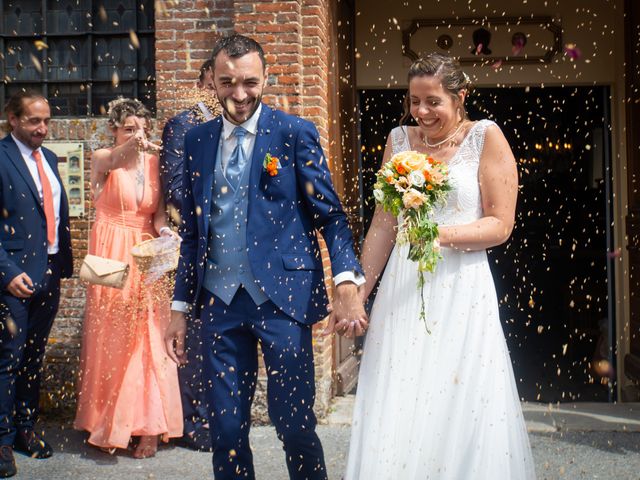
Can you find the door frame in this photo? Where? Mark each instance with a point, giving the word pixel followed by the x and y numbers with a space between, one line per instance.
pixel 344 159
pixel 632 219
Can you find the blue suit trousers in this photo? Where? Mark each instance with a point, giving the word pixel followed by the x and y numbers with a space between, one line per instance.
pixel 24 329
pixel 230 336
pixel 190 376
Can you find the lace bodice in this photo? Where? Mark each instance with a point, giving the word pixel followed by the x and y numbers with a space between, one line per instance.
pixel 464 204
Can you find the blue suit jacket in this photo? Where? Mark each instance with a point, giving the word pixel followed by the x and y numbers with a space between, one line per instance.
pixel 283 214
pixel 172 154
pixel 23 225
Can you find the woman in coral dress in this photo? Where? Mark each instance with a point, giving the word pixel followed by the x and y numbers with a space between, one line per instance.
pixel 128 386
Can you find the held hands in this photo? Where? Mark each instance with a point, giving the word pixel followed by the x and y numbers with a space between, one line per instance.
pixel 174 337
pixel 21 286
pixel 347 316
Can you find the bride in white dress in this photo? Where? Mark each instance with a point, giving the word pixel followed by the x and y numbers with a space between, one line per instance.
pixel 444 404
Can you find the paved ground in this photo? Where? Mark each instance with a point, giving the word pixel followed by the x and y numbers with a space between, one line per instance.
pixel 582 441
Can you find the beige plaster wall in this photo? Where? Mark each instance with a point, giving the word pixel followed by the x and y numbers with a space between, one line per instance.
pixel 591 25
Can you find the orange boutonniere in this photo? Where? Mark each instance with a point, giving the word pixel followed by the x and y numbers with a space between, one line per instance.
pixel 271 164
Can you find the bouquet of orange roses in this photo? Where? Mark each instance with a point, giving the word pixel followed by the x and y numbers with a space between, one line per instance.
pixel 412 184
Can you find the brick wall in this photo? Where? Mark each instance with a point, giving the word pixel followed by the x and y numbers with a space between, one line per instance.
pixel 63 350
pixel 278 28
pixel 315 48
pixel 185 33
pixel 294 36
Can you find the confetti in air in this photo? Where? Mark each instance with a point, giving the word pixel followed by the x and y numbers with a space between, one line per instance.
pixel 36 62
pixel 40 45
pixel 133 38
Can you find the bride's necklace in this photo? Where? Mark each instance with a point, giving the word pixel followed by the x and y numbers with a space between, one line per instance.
pixel 437 144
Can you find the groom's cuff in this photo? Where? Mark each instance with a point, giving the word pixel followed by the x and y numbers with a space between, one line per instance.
pixel 183 307
pixel 349 277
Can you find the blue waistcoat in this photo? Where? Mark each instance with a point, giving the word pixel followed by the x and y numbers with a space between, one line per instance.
pixel 227 258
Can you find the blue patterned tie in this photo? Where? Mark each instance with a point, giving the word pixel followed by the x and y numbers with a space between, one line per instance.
pixel 237 159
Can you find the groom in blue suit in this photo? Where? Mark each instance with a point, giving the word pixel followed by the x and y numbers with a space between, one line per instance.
pixel 256 189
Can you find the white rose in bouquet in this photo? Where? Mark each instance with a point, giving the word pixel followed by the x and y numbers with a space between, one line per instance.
pixel 416 178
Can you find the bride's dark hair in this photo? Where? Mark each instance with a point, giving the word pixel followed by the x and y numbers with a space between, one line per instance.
pixel 447 69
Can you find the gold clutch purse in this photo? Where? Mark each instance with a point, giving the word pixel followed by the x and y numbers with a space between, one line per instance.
pixel 104 271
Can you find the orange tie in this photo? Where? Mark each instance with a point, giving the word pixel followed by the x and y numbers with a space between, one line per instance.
pixel 47 199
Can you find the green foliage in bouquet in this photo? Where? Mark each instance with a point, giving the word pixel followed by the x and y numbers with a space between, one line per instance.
pixel 410 186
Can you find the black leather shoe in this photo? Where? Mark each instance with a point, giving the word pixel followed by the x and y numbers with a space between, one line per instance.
pixel 7 462
pixel 32 444
pixel 200 440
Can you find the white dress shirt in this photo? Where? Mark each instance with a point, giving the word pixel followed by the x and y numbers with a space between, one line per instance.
pixel 205 112
pixel 56 188
pixel 228 142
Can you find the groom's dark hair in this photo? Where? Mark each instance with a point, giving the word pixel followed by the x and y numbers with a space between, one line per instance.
pixel 235 46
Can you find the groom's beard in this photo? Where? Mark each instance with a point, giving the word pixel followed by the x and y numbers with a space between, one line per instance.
pixel 232 115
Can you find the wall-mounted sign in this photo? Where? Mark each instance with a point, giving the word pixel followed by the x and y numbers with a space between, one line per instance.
pixel 485 39
pixel 71 168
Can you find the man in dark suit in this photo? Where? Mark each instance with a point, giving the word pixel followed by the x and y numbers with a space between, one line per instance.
pixel 35 252
pixel 196 434
pixel 171 157
pixel 256 190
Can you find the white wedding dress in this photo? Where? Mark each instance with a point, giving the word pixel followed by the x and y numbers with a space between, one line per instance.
pixel 442 405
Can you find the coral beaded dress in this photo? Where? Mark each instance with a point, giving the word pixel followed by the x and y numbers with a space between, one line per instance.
pixel 128 385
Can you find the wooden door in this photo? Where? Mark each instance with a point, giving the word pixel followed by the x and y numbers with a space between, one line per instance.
pixel 343 151
pixel 632 97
